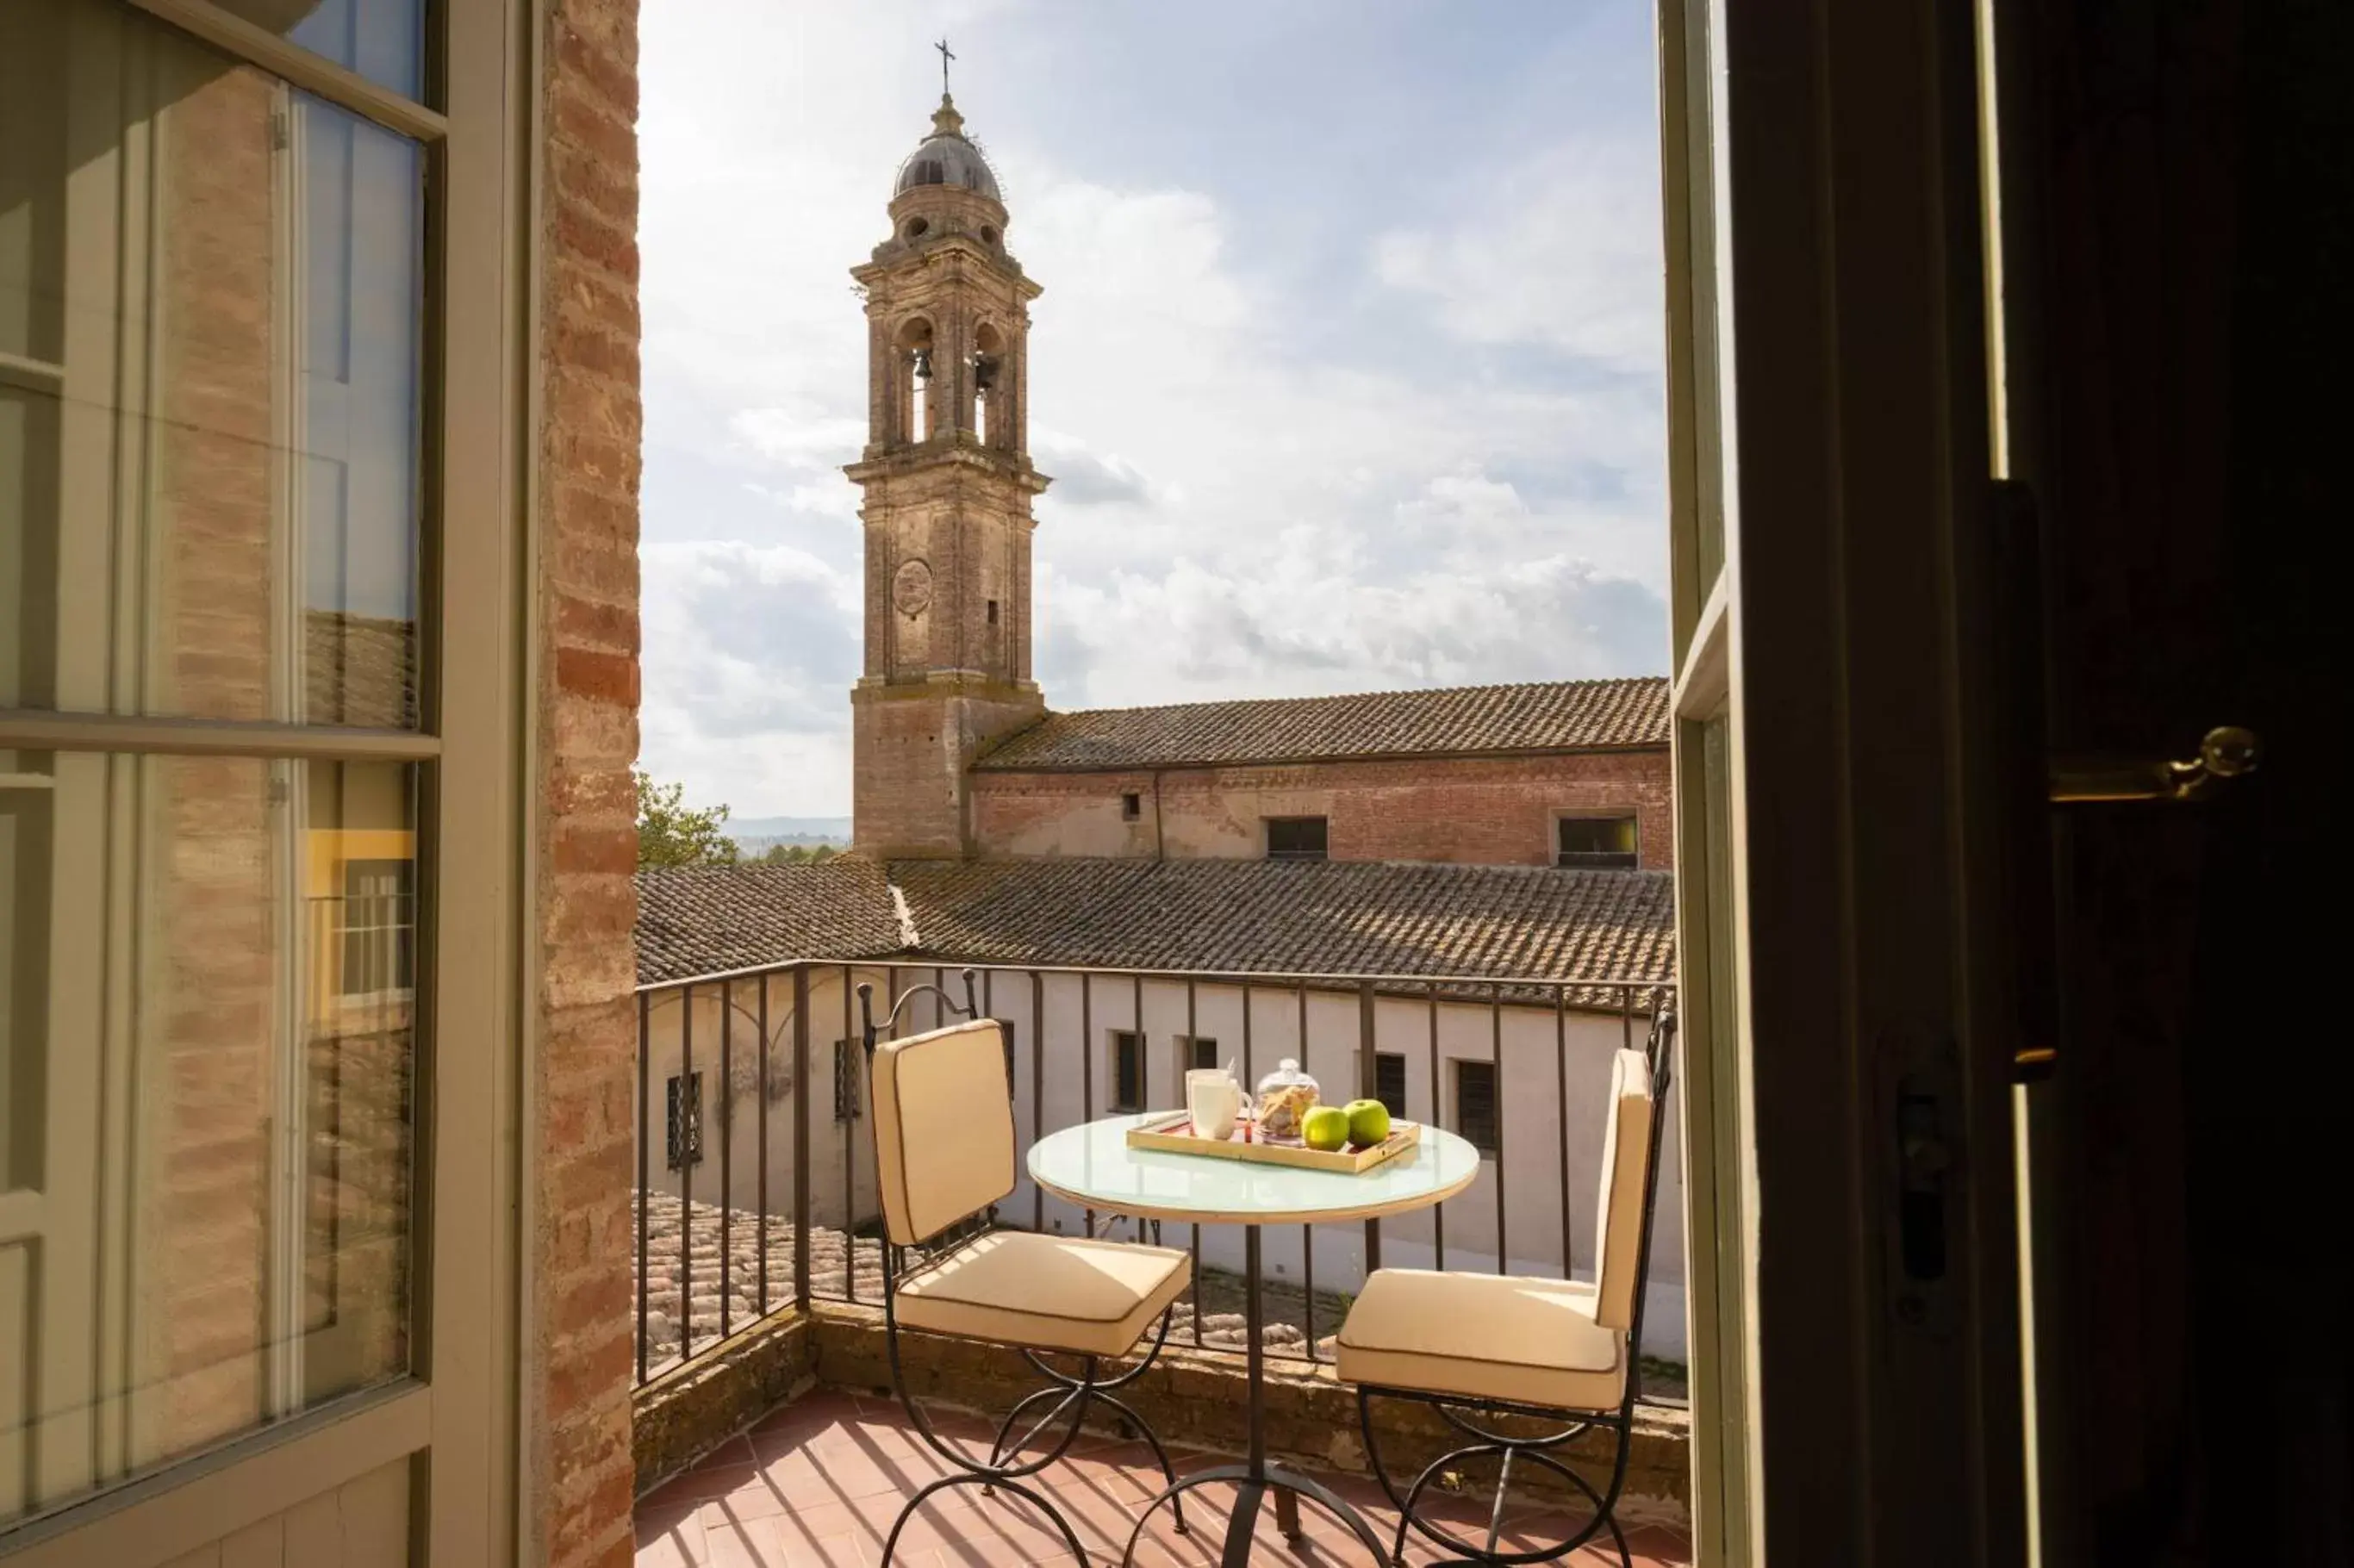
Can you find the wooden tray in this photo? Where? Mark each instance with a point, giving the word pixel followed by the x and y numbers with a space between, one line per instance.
pixel 1174 1133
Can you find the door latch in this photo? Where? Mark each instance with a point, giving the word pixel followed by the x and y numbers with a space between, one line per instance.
pixel 2227 752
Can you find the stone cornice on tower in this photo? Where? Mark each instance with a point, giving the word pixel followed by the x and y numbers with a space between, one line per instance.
pixel 950 449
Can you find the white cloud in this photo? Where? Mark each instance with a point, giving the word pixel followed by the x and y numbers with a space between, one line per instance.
pixel 1562 249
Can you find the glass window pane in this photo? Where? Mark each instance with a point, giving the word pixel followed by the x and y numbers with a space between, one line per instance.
pixel 209 427
pixel 383 40
pixel 208 1122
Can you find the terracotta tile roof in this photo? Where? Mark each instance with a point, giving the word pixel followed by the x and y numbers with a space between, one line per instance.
pixel 702 920
pixel 1331 917
pixel 1561 716
pixel 1238 916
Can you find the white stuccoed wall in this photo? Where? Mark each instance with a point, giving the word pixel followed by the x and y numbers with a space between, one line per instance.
pixel 1539 1068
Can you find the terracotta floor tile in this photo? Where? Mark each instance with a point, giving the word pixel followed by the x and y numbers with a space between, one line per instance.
pixel 818 1483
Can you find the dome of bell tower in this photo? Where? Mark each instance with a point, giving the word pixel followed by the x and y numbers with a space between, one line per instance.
pixel 947 157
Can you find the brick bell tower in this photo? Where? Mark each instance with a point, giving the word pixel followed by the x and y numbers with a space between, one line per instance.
pixel 947 479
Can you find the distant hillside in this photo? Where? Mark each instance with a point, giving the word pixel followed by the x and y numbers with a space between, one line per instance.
pixel 758 833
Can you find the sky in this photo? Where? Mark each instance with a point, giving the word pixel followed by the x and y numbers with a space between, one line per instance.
pixel 1348 366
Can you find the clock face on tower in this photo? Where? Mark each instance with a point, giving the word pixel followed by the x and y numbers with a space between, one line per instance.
pixel 911 588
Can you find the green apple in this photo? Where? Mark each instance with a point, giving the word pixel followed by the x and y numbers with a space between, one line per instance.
pixel 1325 1128
pixel 1368 1122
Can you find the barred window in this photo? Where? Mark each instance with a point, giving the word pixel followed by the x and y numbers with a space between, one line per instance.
pixel 685 1121
pixel 1476 1112
pixel 848 1106
pixel 1127 1070
pixel 1389 1081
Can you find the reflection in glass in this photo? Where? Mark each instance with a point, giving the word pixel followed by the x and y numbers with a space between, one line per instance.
pixel 209 1063
pixel 209 495
pixel 383 40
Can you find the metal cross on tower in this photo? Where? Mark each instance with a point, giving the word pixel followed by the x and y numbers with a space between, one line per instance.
pixel 945 57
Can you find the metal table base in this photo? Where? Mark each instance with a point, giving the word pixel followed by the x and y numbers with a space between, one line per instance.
pixel 1255 1478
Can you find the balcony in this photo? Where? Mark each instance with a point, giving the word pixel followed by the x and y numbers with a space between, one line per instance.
pixel 764 1430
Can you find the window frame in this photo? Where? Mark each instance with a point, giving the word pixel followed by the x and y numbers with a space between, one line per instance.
pixel 1598 860
pixel 683 1120
pixel 1492 1148
pixel 472 752
pixel 1323 849
pixel 1117 1043
pixel 1382 1061
pixel 849 1096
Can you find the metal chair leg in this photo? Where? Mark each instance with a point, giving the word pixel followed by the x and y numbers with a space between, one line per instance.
pixel 1509 1450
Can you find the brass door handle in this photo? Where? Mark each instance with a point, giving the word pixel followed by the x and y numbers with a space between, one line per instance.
pixel 2226 752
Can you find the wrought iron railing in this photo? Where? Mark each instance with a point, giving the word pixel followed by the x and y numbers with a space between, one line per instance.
pixel 767 1056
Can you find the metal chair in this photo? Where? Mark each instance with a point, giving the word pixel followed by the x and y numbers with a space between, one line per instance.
pixel 1566 1354
pixel 944 1145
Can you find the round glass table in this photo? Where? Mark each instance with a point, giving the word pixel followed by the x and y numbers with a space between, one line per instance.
pixel 1091 1165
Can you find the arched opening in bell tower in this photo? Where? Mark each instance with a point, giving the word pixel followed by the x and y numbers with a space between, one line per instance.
pixel 911 389
pixel 990 381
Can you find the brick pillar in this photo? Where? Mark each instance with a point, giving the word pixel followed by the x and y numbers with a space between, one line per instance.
pixel 582 1154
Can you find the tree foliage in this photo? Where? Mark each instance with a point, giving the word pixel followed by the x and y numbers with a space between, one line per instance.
pixel 797 854
pixel 670 832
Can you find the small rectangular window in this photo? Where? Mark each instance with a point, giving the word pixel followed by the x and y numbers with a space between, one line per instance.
pixel 1389 1081
pixel 1131 806
pixel 1595 843
pixel 993 612
pixel 1295 838
pixel 1127 1070
pixel 848 1104
pixel 1006 1024
pixel 378 926
pixel 685 1121
pixel 1200 1052
pixel 1476 1113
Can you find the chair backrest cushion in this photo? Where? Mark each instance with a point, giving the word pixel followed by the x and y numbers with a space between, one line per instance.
pixel 1626 1155
pixel 943 1127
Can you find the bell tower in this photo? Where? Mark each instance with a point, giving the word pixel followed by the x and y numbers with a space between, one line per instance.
pixel 947 483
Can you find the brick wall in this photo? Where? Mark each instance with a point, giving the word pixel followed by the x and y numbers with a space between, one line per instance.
pixel 1470 811
pixel 582 1160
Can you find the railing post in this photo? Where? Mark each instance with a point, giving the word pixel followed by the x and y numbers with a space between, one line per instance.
pixel 726 1150
pixel 1561 1100
pixel 1437 1117
pixel 800 1138
pixel 760 1136
pixel 1087 1062
pixel 690 1149
pixel 1369 1083
pixel 1500 1099
pixel 1307 1232
pixel 1037 1088
pixel 646 1180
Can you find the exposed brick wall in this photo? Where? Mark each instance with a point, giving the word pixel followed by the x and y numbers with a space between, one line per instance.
pixel 1469 811
pixel 911 755
pixel 582 1158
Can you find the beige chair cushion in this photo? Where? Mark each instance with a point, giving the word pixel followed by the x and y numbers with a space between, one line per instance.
pixel 1619 1225
pixel 943 1127
pixel 1531 1342
pixel 1045 1292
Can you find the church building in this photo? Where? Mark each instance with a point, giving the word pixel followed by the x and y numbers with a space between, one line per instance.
pixel 956 755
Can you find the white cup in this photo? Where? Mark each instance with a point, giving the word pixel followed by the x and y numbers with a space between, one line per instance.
pixel 1212 1101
